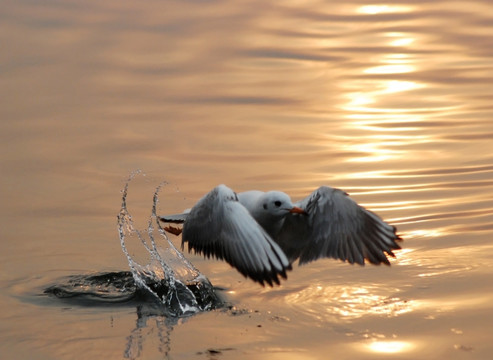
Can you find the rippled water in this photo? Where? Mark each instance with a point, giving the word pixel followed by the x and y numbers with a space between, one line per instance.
pixel 390 102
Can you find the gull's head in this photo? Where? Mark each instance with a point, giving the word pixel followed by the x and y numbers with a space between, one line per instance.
pixel 278 204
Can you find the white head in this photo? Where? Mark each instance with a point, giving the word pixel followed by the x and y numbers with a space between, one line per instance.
pixel 275 204
pixel 271 208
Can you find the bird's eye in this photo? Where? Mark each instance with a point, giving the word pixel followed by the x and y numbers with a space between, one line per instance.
pixel 277 203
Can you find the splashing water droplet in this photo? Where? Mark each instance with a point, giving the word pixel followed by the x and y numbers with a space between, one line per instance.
pixel 168 276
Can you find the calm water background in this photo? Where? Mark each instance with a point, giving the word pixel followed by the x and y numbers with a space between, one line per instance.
pixel 392 103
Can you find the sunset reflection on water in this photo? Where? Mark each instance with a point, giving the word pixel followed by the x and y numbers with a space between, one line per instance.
pixel 391 103
pixel 390 128
pixel 390 346
pixel 347 303
pixel 383 9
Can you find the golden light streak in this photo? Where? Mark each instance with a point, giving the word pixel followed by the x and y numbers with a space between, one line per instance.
pixel 391 346
pixel 395 86
pixel 390 69
pixel 371 104
pixel 383 9
pixel 350 302
pixel 402 42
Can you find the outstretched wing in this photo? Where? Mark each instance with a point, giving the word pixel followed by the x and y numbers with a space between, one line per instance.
pixel 335 226
pixel 219 226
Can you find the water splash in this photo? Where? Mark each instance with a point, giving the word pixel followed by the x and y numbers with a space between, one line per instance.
pixel 168 275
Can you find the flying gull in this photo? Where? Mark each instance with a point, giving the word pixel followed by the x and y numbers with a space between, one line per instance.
pixel 262 233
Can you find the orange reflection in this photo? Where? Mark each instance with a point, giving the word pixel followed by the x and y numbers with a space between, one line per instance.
pixel 443 262
pixel 376 103
pixel 438 305
pixel 402 42
pixel 375 152
pixel 420 233
pixel 349 302
pixel 383 9
pixel 391 346
pixel 390 69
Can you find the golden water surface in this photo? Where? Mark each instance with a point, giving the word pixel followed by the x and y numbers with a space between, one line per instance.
pixel 391 102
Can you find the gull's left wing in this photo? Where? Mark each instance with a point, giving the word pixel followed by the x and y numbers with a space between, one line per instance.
pixel 219 226
pixel 335 226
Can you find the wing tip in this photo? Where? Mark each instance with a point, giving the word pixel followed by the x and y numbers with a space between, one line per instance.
pixel 265 277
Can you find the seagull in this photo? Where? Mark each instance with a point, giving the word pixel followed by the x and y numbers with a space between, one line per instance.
pixel 261 234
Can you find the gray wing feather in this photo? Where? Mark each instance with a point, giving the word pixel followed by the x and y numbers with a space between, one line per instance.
pixel 336 227
pixel 219 226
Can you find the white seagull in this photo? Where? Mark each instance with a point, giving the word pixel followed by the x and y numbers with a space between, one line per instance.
pixel 262 233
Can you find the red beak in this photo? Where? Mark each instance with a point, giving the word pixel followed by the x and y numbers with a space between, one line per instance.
pixel 297 210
